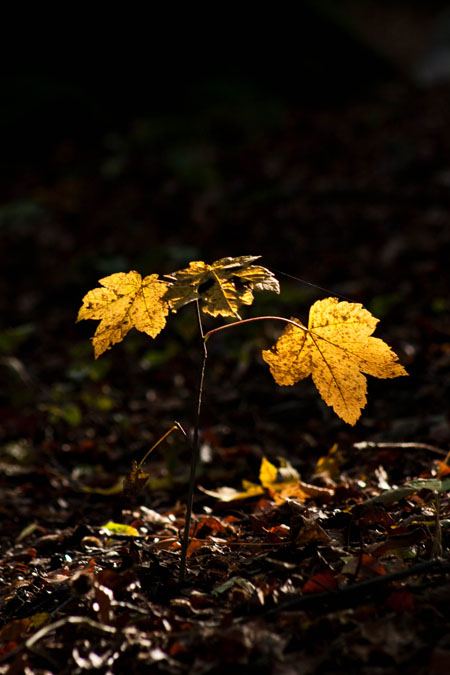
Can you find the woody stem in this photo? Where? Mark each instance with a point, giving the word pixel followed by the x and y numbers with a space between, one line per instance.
pixel 195 448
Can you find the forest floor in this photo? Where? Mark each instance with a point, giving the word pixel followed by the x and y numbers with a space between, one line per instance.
pixel 349 576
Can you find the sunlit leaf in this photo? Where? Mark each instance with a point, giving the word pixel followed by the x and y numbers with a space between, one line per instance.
pixel 283 483
pixel 120 528
pixel 336 350
pixel 221 287
pixel 125 301
pixel 272 477
pixel 114 489
pixel 328 466
pixel 229 494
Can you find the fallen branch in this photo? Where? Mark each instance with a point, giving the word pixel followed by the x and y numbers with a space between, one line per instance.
pixel 363 445
pixel 348 596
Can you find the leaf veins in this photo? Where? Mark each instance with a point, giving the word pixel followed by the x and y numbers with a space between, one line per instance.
pixel 221 287
pixel 336 350
pixel 125 301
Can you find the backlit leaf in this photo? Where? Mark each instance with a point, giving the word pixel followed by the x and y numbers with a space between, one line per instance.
pixel 337 350
pixel 221 287
pixel 123 302
pixel 120 528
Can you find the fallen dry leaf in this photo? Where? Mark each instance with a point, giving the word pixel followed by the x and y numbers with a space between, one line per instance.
pixel 319 582
pixel 135 480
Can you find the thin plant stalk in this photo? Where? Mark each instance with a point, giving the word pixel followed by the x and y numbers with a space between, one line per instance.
pixel 175 426
pixel 254 318
pixel 195 439
pixel 195 448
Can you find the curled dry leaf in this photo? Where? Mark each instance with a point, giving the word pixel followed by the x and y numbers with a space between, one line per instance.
pixel 337 350
pixel 222 287
pixel 125 301
pixel 134 482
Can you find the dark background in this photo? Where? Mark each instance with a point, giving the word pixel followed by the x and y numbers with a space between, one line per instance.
pixel 319 140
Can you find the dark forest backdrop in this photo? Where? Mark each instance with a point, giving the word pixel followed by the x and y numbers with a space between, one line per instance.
pixel 320 140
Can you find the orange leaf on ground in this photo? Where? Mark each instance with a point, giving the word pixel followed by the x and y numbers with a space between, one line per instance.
pixel 320 582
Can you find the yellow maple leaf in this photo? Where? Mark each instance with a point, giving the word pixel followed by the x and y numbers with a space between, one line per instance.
pixel 328 467
pixel 222 287
pixel 336 349
pixel 282 483
pixel 270 476
pixel 126 300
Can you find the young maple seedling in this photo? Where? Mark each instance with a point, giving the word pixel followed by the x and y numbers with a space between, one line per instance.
pixel 336 348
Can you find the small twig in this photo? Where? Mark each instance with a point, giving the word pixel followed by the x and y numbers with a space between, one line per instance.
pixel 95 625
pixel 195 448
pixel 254 318
pixel 363 445
pixel 43 632
pixel 176 425
pixel 360 559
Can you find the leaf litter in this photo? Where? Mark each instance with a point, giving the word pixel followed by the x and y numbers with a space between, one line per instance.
pixel 268 571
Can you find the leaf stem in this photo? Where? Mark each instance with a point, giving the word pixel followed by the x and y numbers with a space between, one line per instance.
pixel 176 425
pixel 195 439
pixel 254 318
pixel 195 447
